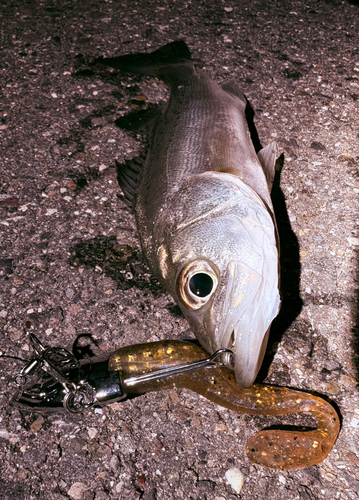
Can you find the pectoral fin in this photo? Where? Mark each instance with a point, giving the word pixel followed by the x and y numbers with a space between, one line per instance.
pixel 267 157
pixel 128 176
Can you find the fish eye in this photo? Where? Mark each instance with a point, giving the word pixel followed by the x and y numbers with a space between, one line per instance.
pixel 197 283
pixel 201 284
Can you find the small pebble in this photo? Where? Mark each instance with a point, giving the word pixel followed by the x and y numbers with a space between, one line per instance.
pixel 114 463
pixel 4 433
pixel 332 364
pixel 37 424
pixel 318 146
pixel 77 491
pixel 348 381
pixel 333 388
pixel 341 464
pixel 3 313
pixel 69 293
pixel 235 479
pixel 102 474
pixel 281 479
pixel 221 427
pixel 51 211
pixel 119 487
pixel 92 432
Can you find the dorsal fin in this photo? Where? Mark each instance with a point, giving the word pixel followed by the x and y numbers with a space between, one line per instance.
pixel 267 157
pixel 128 176
pixel 233 88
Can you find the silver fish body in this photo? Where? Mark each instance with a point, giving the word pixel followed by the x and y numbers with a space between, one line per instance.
pixel 204 212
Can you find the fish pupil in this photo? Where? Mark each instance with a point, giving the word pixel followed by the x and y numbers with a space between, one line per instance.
pixel 201 284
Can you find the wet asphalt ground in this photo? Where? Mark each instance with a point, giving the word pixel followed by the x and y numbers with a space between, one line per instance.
pixel 70 261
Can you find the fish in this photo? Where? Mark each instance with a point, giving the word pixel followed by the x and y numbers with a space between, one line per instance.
pixel 201 198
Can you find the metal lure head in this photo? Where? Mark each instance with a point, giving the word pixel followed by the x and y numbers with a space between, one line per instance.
pixel 218 258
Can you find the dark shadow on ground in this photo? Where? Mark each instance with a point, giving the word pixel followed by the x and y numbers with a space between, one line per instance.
pixel 290 269
pixel 289 259
pixel 122 263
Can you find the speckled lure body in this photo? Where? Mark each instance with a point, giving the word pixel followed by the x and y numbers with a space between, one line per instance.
pixel 279 449
pixel 55 380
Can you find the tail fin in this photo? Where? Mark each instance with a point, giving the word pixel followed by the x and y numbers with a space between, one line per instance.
pixel 150 64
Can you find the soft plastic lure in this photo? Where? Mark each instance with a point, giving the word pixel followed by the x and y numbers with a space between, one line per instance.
pixel 142 368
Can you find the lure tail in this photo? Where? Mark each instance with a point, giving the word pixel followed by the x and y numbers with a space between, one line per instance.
pixel 53 379
pixel 275 448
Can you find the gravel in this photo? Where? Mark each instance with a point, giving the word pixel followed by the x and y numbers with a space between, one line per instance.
pixel 70 261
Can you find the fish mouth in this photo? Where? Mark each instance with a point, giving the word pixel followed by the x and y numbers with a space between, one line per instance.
pixel 244 318
pixel 248 358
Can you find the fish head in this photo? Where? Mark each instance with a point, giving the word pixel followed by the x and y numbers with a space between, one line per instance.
pixel 218 258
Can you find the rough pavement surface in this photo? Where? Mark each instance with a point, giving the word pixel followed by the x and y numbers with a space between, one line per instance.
pixel 70 262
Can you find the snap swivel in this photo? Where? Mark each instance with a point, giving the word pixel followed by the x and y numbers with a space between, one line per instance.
pixel 54 378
